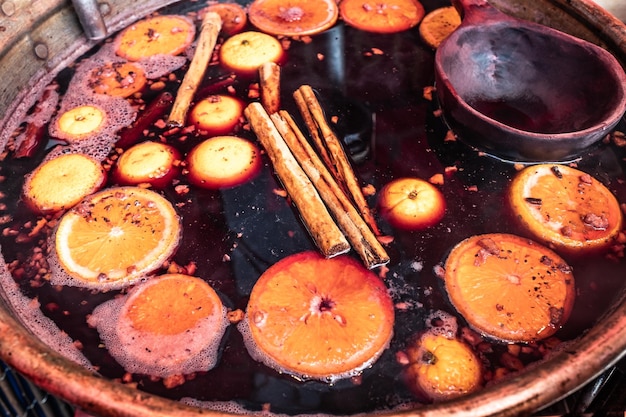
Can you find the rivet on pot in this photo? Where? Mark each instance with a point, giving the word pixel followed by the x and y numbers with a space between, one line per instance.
pixel 105 8
pixel 41 50
pixel 8 8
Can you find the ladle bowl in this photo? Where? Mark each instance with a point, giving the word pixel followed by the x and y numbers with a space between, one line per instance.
pixel 525 92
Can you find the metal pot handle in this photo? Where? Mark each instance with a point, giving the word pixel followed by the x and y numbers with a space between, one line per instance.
pixel 90 19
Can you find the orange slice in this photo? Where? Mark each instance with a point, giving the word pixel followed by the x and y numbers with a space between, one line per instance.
pixel 116 236
pixel 166 34
pixel 438 25
pixel 442 368
pixel 411 203
pixel 171 304
pixel 60 183
pixel 169 325
pixel 245 52
pixel 293 17
pixel 319 318
pixel 566 208
pixel 118 79
pixel 381 16
pixel 234 17
pixel 509 287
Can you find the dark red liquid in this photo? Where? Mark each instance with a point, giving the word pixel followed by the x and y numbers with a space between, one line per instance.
pixel 254 227
pixel 520 114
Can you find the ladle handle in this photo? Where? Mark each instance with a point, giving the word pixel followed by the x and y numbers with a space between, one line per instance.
pixel 91 20
pixel 477 11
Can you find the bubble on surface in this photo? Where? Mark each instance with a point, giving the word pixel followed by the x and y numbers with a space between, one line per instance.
pixel 442 323
pixel 227 407
pixel 46 108
pixel 158 66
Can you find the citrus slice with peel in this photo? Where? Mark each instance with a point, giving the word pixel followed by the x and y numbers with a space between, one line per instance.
pixel 233 15
pixel 293 17
pixel 508 287
pixel 318 318
pixel 169 325
pixel 389 16
pixel 566 208
pixel 116 236
pixel 118 79
pixel 165 34
pixel 438 25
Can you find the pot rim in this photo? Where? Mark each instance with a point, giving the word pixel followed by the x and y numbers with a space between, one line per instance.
pixel 535 387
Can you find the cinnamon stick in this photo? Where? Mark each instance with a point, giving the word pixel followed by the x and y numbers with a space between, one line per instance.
pixel 269 77
pixel 320 224
pixel 359 235
pixel 215 85
pixel 211 26
pixel 32 139
pixel 315 134
pixel 311 109
pixel 153 111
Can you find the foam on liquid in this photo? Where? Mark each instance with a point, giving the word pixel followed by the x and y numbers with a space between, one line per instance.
pixel 162 355
pixel 119 112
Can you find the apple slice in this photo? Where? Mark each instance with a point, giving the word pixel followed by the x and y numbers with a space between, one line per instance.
pixel 245 52
pixel 217 114
pixel 80 122
pixel 222 162
pixel 149 162
pixel 60 183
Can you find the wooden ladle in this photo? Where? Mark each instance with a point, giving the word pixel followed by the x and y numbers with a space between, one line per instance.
pixel 522 91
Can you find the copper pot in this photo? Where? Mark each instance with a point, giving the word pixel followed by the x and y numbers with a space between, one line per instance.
pixel 39 38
